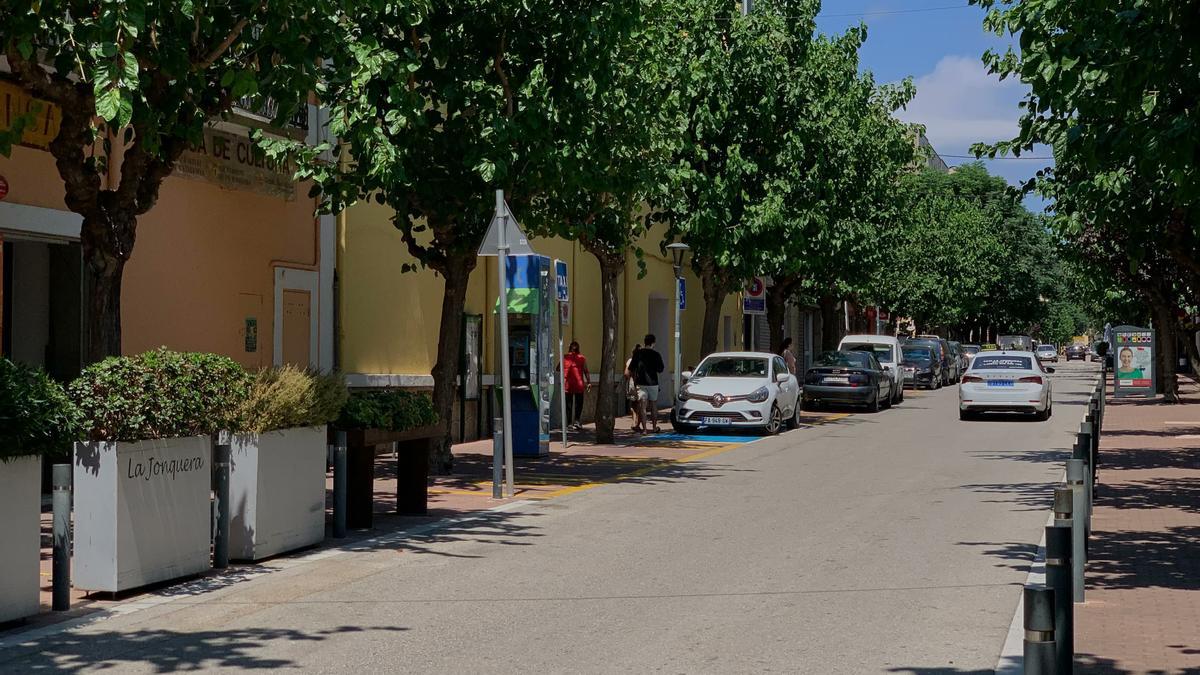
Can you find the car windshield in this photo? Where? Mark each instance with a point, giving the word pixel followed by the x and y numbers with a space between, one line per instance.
pixel 732 366
pixel 936 347
pixel 971 349
pixel 1001 362
pixel 918 354
pixel 1046 348
pixel 882 352
pixel 843 359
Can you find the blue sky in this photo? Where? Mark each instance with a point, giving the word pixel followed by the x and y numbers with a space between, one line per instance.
pixel 939 44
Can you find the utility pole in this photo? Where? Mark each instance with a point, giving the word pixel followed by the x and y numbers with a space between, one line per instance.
pixel 747 5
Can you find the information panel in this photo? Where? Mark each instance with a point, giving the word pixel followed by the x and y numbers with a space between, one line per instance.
pixel 1133 361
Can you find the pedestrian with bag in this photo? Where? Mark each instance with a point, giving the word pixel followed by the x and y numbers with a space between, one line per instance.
pixel 632 394
pixel 646 365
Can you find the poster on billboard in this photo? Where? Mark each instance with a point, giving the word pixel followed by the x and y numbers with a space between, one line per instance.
pixel 1133 362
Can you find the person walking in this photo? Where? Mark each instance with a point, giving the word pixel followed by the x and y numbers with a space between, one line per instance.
pixel 646 365
pixel 785 350
pixel 633 394
pixel 577 380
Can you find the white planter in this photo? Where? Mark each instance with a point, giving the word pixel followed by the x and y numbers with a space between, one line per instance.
pixel 142 512
pixel 20 532
pixel 277 492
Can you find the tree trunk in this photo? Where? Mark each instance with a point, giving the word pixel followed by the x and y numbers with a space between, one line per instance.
pixel 611 268
pixel 714 299
pixel 829 323
pixel 776 315
pixel 106 241
pixel 1165 357
pixel 457 274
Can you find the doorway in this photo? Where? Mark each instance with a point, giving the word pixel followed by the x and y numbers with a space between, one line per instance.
pixel 41 321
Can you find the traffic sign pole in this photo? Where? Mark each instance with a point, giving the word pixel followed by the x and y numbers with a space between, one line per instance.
pixel 505 376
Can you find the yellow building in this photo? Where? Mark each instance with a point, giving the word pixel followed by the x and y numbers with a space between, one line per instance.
pixel 230 260
pixel 388 320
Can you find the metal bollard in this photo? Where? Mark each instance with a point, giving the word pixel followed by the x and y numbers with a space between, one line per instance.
pixel 339 485
pixel 222 454
pixel 1039 631
pixel 1095 448
pixel 61 566
pixel 1058 577
pixel 1075 478
pixel 498 459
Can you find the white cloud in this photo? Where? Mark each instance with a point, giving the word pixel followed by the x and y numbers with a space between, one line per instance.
pixel 960 103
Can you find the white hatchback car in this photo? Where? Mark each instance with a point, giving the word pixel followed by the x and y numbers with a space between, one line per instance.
pixel 1007 381
pixel 738 390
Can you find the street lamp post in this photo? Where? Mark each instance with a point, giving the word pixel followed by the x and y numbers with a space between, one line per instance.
pixel 678 251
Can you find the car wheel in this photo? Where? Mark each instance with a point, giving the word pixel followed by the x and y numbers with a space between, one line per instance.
pixel 965 415
pixel 1043 415
pixel 875 403
pixel 897 394
pixel 809 404
pixel 775 423
pixel 901 395
pixel 794 420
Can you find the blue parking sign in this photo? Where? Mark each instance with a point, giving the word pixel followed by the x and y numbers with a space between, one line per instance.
pixel 682 293
pixel 560 280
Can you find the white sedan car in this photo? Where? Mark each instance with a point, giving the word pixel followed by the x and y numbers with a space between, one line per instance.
pixel 738 390
pixel 1007 381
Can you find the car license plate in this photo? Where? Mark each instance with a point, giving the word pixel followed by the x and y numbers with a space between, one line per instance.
pixel 1000 383
pixel 837 380
pixel 717 421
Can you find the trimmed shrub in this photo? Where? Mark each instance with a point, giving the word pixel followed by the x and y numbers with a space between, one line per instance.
pixel 36 415
pixel 392 410
pixel 159 394
pixel 287 397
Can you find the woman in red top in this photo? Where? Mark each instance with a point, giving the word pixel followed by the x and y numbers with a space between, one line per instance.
pixel 577 380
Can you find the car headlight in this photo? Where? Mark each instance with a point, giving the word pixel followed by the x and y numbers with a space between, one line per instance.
pixel 758 395
pixel 684 394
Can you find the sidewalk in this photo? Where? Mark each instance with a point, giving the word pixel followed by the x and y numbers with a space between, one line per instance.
pixel 654 458
pixel 1142 609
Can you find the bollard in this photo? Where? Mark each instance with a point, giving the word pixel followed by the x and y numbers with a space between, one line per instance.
pixel 1039 631
pixel 1058 577
pixel 1095 448
pixel 498 459
pixel 339 485
pixel 61 566
pixel 1075 477
pixel 222 453
pixel 1082 450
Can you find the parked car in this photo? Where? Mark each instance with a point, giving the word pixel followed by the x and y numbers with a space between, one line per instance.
pixel 887 351
pixel 854 378
pixel 738 389
pixel 970 351
pixel 1047 353
pixel 1006 381
pixel 942 349
pixel 1074 352
pixel 1015 343
pixel 957 351
pixel 921 367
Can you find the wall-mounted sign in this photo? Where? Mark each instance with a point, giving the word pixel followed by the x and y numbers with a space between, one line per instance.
pixel 235 163
pixel 754 298
pixel 251 334
pixel 44 117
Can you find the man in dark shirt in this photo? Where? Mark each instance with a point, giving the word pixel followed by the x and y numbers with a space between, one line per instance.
pixel 646 366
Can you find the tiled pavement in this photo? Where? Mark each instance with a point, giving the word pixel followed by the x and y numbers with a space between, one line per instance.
pixel 1142 609
pixel 581 466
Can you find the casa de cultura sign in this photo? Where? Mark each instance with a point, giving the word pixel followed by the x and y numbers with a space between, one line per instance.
pixel 233 162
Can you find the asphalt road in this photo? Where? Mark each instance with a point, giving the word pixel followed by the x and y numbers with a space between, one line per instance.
pixel 895 542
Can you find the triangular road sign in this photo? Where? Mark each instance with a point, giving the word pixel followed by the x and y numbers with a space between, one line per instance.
pixel 518 243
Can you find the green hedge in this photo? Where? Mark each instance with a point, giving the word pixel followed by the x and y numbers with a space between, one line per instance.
pixel 392 410
pixel 36 416
pixel 287 397
pixel 160 394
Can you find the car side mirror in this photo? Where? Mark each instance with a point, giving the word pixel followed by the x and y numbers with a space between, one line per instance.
pixel 686 375
pixel 782 377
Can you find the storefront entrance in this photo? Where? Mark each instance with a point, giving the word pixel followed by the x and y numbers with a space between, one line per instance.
pixel 40 283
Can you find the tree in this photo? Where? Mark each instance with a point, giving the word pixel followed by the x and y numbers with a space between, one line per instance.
pixel 730 72
pixel 137 81
pixel 615 118
pixel 432 118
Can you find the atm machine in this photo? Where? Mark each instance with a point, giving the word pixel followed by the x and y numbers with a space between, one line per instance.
pixel 531 357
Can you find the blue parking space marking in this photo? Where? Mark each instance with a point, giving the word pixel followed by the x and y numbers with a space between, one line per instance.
pixel 701 438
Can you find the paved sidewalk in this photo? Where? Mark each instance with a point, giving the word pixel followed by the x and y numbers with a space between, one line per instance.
pixel 1142 613
pixel 581 466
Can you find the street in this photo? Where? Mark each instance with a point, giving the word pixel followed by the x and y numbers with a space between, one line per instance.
pixel 894 542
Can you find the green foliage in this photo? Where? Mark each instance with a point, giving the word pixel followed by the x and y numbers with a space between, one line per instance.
pixel 36 416
pixel 159 394
pixel 391 410
pixel 287 397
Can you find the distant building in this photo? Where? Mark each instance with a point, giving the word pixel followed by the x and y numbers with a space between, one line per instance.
pixel 932 160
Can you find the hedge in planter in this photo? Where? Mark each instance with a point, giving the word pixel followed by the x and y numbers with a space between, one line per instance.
pixel 143 477
pixel 277 479
pixel 36 419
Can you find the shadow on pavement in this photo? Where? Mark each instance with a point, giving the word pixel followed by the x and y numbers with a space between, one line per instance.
pixel 1128 560
pixel 1037 496
pixel 1016 556
pixel 484 527
pixel 164 650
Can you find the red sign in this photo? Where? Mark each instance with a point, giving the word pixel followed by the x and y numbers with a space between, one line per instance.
pixel 3 187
